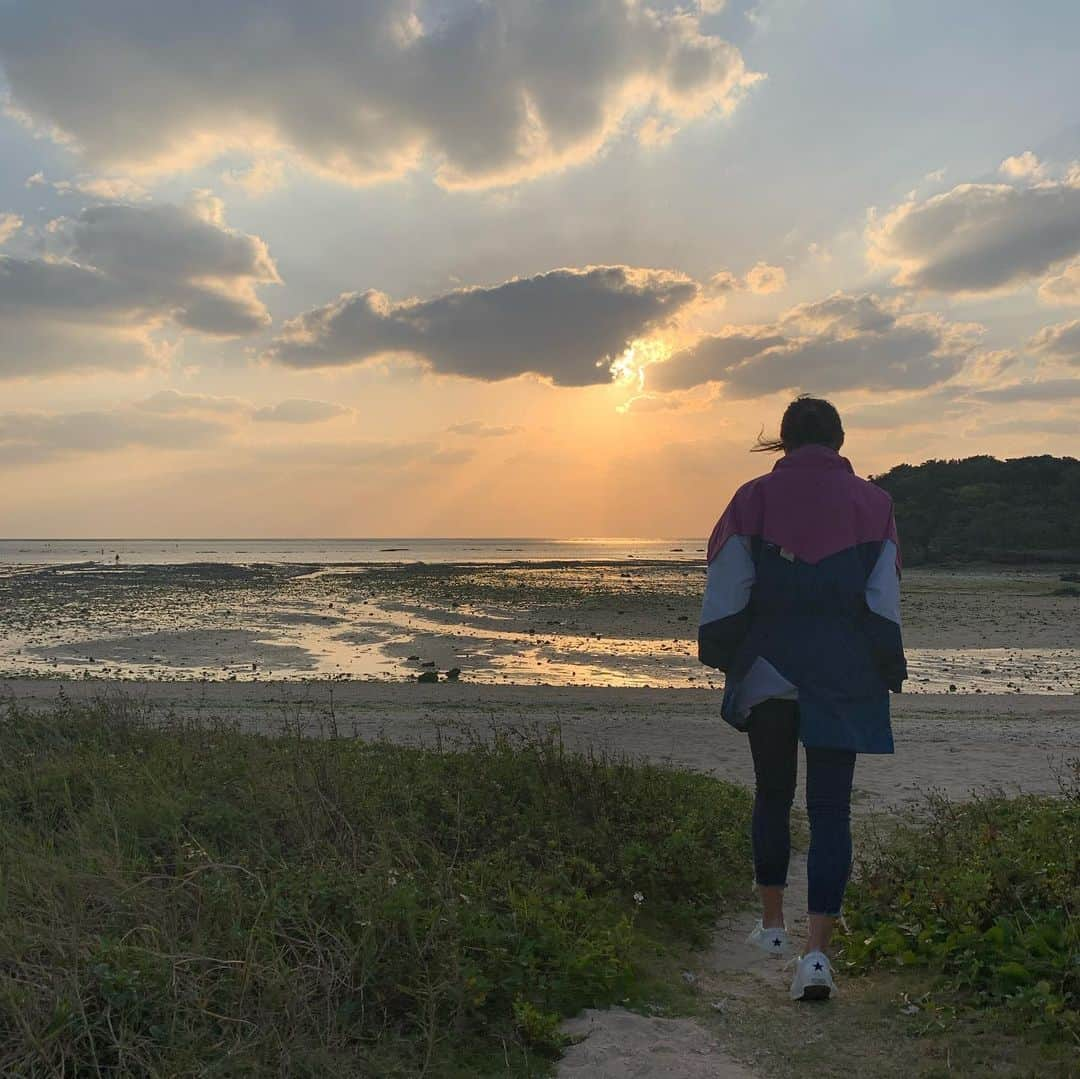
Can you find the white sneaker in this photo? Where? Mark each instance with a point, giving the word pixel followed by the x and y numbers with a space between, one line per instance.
pixel 813 978
pixel 770 941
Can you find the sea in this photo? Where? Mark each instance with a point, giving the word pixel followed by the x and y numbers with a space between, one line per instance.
pixel 35 552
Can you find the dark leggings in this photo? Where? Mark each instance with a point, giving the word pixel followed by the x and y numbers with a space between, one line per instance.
pixel 774 742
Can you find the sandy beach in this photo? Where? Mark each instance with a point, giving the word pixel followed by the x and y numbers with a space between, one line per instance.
pixel 943 742
pixel 605 651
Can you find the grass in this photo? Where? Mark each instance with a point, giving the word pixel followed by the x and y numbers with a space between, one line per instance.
pixel 984 897
pixel 191 900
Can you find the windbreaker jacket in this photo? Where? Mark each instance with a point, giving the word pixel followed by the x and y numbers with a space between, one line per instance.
pixel 802 601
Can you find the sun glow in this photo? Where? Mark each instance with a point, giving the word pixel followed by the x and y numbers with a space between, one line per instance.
pixel 629 369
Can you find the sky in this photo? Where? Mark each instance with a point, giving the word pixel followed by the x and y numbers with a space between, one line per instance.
pixel 519 267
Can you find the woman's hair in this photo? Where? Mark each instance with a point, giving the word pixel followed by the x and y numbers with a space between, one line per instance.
pixel 807 421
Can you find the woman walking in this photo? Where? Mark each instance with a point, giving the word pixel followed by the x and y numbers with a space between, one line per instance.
pixel 802 613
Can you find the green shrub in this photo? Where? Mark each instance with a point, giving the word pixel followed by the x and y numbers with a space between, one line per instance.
pixel 986 894
pixel 197 901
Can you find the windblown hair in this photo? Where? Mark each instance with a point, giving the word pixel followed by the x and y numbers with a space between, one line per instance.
pixel 807 421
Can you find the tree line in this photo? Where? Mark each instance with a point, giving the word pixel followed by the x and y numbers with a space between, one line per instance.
pixel 980 508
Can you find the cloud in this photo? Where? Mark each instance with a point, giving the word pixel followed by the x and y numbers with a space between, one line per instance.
pixel 377 456
pixel 9 225
pixel 979 238
pixel 764 278
pixel 566 325
pixel 844 342
pixel 1060 342
pixel 108 188
pixel 175 401
pixel 31 437
pixel 487 93
pixel 260 178
pixel 299 410
pixel 1044 425
pixel 722 283
pixel 1064 288
pixel 293 410
pixel 116 273
pixel 1021 166
pixel 645 403
pixel 938 407
pixel 710 358
pixel 479 429
pixel 760 278
pixel 1050 389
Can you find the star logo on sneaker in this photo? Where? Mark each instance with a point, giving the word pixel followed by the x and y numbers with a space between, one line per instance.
pixel 777 941
pixel 817 966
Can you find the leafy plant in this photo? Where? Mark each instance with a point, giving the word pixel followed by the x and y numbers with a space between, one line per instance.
pixel 986 895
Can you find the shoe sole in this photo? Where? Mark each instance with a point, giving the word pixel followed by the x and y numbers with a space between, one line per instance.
pixel 816 992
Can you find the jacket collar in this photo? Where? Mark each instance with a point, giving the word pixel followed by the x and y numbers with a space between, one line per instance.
pixel 813 456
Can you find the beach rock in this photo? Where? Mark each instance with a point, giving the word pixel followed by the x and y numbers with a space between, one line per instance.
pixel 428 676
pixel 453 674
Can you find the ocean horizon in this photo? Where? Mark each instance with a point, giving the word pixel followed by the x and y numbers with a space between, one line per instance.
pixel 330 551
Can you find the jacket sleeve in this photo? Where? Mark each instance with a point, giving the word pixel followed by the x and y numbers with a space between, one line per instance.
pixel 882 617
pixel 725 611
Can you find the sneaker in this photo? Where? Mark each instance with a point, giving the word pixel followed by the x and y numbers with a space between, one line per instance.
pixel 813 978
pixel 770 941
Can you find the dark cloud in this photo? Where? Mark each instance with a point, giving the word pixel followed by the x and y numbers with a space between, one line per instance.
pixel 710 359
pixel 980 237
pixel 565 325
pixel 27 437
pixel 488 92
pixel 842 312
pixel 1062 342
pixel 845 342
pixel 300 410
pixel 117 272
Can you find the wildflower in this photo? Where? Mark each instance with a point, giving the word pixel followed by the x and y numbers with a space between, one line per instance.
pixel 639 898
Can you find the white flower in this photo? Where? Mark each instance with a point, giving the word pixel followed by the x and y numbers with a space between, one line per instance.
pixel 639 898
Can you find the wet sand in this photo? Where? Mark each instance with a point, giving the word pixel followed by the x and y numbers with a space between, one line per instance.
pixel 980 630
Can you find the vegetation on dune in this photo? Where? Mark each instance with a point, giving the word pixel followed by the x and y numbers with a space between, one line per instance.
pixel 197 901
pixel 986 896
pixel 1027 508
